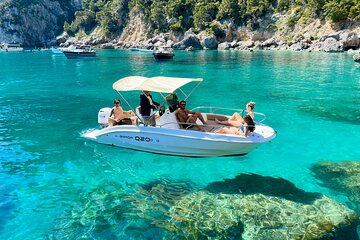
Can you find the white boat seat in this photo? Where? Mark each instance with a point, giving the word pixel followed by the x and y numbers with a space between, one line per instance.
pixel 168 120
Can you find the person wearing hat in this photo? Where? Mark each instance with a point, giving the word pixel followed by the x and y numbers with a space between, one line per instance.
pixel 147 104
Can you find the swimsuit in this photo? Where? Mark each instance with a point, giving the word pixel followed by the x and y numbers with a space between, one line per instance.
pixel 242 128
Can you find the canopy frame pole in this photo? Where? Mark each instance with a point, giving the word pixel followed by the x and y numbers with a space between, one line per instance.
pixel 188 95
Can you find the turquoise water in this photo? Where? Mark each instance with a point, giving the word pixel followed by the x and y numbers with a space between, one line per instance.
pixel 54 184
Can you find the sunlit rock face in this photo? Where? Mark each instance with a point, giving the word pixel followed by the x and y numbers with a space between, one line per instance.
pixel 34 23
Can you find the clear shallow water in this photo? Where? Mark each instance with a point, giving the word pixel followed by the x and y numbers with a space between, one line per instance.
pixel 55 184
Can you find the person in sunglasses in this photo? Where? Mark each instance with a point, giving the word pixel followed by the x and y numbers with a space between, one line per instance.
pixel 188 118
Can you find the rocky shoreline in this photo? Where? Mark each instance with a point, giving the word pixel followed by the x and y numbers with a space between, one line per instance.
pixel 340 41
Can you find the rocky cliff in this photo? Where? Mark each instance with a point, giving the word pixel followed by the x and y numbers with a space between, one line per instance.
pixel 34 23
pixel 193 24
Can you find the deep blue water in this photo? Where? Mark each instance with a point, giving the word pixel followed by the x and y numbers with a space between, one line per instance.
pixel 55 184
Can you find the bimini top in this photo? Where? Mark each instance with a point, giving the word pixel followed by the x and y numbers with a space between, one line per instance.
pixel 154 84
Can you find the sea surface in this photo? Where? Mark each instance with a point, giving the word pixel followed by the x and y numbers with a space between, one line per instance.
pixel 55 184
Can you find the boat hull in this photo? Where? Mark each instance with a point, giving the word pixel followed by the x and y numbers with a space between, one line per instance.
pixel 163 56
pixel 72 55
pixel 177 142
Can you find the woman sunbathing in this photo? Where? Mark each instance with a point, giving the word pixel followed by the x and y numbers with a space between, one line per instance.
pixel 236 120
pixel 247 126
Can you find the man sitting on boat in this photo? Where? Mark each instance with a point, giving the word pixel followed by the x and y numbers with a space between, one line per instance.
pixel 187 118
pixel 120 117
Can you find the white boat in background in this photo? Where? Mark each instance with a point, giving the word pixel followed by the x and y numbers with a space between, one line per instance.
pixel 134 49
pixel 11 47
pixel 80 52
pixel 167 137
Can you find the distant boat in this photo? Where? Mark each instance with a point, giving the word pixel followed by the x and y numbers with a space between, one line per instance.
pixel 356 58
pixel 84 52
pixel 140 50
pixel 163 53
pixel 11 47
pixel 59 51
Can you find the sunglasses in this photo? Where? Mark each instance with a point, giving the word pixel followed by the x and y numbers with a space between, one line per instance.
pixel 117 102
pixel 183 104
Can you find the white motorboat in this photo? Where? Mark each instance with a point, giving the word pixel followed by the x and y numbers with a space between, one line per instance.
pixel 167 137
pixel 11 47
pixel 81 52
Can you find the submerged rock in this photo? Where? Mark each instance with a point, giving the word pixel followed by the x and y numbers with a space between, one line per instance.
pixel 341 176
pixel 203 215
pixel 247 207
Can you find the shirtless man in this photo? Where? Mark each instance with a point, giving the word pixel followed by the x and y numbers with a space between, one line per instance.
pixel 187 117
pixel 118 115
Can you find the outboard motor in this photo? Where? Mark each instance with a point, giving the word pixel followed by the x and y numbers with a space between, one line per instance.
pixel 103 116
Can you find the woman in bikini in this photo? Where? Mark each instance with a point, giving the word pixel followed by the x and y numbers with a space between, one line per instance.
pixel 236 120
pixel 247 126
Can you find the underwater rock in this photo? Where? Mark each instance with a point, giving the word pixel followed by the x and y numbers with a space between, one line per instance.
pixel 341 176
pixel 270 186
pixel 97 214
pixel 203 215
pixel 345 114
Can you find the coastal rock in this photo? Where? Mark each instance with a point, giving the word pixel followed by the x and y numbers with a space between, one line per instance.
pixel 341 176
pixel 209 42
pixel 270 42
pixel 202 215
pixel 107 46
pixel 224 46
pixel 335 36
pixel 245 45
pixel 332 45
pixel 296 47
pixel 189 40
pixel 62 38
pixel 233 44
pixel 350 40
pixel 169 43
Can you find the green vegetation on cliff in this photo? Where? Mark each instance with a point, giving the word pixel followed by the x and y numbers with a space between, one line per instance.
pixel 110 16
pixel 179 15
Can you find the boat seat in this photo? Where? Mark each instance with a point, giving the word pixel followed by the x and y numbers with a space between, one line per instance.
pixel 172 101
pixel 168 120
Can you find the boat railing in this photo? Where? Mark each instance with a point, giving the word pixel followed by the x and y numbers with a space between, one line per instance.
pixel 211 127
pixel 227 112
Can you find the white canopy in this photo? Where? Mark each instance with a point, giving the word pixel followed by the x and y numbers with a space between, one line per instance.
pixel 154 84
